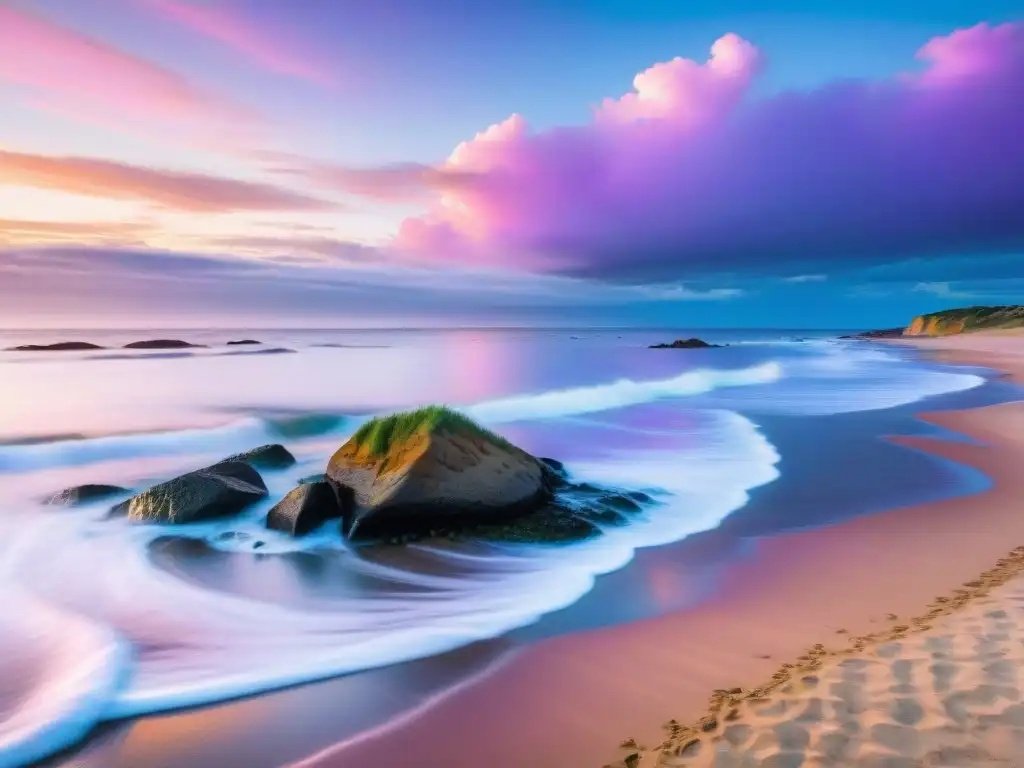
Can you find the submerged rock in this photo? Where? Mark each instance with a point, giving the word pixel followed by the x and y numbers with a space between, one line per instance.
pixel 273 456
pixel 304 509
pixel 163 344
pixel 686 344
pixel 241 342
pixel 83 494
pixel 60 346
pixel 433 469
pixel 223 489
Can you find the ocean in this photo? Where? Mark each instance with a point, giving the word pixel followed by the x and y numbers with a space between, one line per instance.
pixel 104 621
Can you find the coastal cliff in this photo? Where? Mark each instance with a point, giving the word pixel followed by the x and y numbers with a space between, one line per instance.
pixel 953 321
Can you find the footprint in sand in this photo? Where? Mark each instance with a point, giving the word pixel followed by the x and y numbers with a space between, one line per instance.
pixel 947 697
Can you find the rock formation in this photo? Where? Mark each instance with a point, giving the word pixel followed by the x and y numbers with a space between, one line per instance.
pixel 163 344
pixel 965 320
pixel 60 346
pixel 304 509
pixel 223 489
pixel 686 344
pixel 83 494
pixel 274 456
pixel 883 333
pixel 433 469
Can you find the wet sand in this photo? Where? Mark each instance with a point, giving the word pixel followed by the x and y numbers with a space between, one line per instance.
pixel 569 701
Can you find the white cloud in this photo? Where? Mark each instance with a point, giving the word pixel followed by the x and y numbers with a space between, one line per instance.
pixel 943 290
pixel 805 279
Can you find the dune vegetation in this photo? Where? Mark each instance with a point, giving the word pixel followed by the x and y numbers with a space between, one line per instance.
pixel 966 320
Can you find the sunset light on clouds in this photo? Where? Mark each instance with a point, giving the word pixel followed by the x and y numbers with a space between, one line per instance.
pixel 283 137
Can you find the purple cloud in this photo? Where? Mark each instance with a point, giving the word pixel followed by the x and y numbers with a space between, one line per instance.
pixel 686 174
pixel 98 282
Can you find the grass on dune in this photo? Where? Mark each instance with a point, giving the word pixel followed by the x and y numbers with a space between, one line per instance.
pixel 981 317
pixel 379 434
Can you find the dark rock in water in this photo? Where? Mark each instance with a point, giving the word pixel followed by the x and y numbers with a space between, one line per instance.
pixel 163 344
pixel 274 456
pixel 554 523
pixel 223 489
pixel 434 473
pixel 304 508
pixel 61 346
pixel 601 515
pixel 884 333
pixel 241 342
pixel 686 344
pixel 83 494
pixel 320 478
pixel 620 502
pixel 432 469
pixel 555 466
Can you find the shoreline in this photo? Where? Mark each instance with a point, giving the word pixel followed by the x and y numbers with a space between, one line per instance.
pixel 568 701
pixel 800 675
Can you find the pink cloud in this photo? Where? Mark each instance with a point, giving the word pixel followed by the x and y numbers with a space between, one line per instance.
pixel 686 92
pixel 168 189
pixel 80 74
pixel 232 29
pixel 21 232
pixel 687 172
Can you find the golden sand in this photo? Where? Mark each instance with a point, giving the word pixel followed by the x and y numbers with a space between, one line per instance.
pixel 936 689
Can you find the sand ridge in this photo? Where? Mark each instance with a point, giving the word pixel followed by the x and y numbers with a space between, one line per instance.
pixel 938 689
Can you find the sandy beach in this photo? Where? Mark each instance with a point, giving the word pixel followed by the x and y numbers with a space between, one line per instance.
pixel 851 599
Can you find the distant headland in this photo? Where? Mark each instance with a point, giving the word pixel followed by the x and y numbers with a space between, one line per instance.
pixel 950 322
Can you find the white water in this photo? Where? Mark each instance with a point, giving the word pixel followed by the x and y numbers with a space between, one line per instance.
pixel 92 630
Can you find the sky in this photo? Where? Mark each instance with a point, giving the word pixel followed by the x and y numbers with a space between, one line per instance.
pixel 710 163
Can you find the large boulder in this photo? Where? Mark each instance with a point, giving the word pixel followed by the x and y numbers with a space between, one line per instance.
pixel 83 494
pixel 304 509
pixel 274 456
pixel 223 489
pixel 432 469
